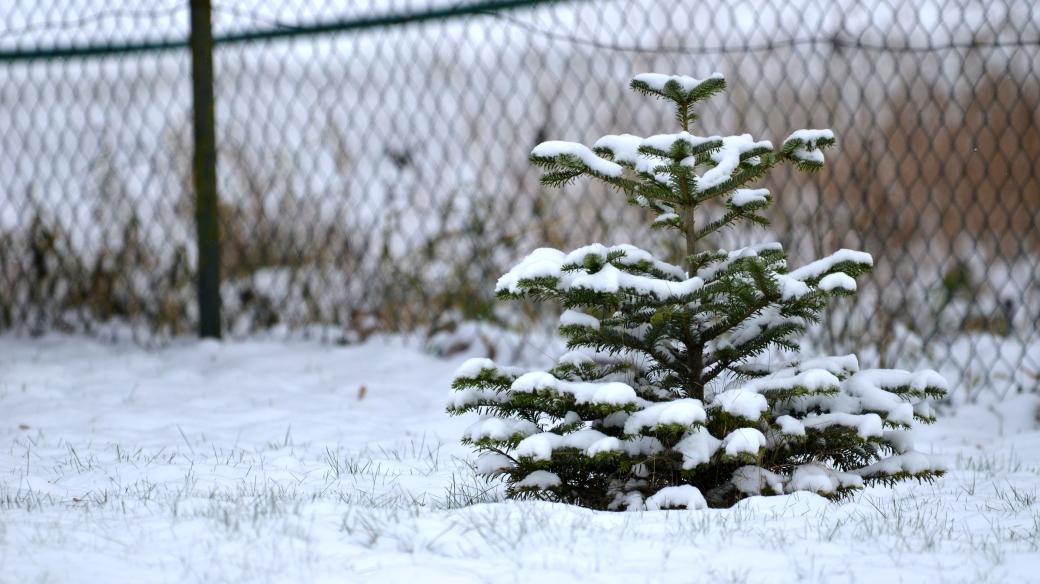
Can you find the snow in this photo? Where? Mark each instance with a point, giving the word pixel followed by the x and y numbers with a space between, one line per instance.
pixel 810 136
pixel 891 393
pixel 925 378
pixel 768 318
pixel 727 159
pixel 824 265
pixel 543 262
pixel 632 255
pixel 901 440
pixel 666 218
pixel 745 197
pixel 610 280
pixel 472 395
pixel 471 368
pixel 924 409
pixel 895 378
pixel 554 148
pixel 577 318
pixel 697 447
pixel 791 288
pixel 539 479
pixel 809 151
pixel 835 365
pixel 820 479
pixel 499 428
pixel 837 280
pixel 811 379
pixel 541 446
pixel 869 387
pixel 685 412
pixel 533 381
pixel 257 461
pixel 657 81
pixel 642 445
pixel 611 393
pixel 910 462
pixel 549 263
pixel 607 444
pixel 754 480
pixel 708 273
pixel 575 358
pixel 615 393
pixel 624 147
pixel 790 425
pixel 815 156
pixel 665 142
pixel 490 463
pixel 741 403
pixel 866 425
pixel 684 497
pixel 743 441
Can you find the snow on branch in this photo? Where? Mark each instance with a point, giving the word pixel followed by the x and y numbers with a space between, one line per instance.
pixel 727 158
pixel 678 497
pixel 747 197
pixel 624 254
pixel 610 280
pixel 679 145
pixel 906 464
pixel 819 479
pixel 741 403
pixel 743 442
pixel 805 147
pixel 499 429
pixel 680 88
pixel 570 154
pixel 609 393
pixel 682 412
pixel 623 148
pixel 599 269
pixel 843 260
pixel 590 441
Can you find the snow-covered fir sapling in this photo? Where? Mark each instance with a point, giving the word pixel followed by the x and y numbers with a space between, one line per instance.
pixel 671 394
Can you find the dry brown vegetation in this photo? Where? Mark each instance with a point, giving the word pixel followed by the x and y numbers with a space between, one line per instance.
pixel 921 167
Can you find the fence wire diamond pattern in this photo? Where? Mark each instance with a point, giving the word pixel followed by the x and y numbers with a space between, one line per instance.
pixel 373 168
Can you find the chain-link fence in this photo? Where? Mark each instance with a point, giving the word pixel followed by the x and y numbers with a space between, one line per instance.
pixel 373 168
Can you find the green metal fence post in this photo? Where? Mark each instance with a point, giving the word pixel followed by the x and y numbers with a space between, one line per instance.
pixel 205 170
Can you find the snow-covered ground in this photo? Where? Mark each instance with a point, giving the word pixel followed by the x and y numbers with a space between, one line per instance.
pixel 270 461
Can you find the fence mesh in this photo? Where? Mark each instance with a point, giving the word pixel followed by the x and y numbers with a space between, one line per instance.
pixel 373 168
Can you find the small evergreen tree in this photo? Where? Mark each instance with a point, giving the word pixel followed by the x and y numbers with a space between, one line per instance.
pixel 664 399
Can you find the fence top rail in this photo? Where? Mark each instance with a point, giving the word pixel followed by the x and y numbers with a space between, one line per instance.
pixel 496 9
pixel 280 31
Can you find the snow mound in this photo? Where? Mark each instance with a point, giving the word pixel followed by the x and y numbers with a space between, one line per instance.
pixel 679 497
pixel 741 403
pixel 539 479
pixel 743 441
pixel 685 412
pixel 697 447
pixel 822 480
